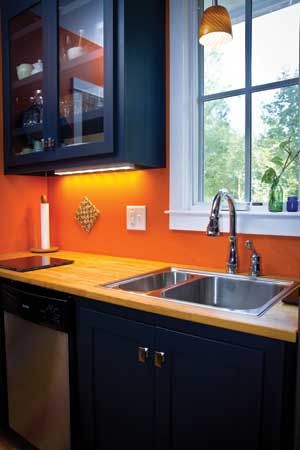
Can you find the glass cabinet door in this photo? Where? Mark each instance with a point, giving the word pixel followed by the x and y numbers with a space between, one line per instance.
pixel 85 92
pixel 26 79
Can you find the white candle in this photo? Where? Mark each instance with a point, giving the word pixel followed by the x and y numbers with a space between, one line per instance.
pixel 45 225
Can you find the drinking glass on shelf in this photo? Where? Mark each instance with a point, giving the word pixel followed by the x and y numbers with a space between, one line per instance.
pixel 65 107
pixel 34 114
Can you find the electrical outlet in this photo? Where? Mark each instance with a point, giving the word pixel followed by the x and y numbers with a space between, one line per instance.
pixel 136 218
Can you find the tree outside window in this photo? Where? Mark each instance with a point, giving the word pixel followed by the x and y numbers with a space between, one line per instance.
pixel 249 100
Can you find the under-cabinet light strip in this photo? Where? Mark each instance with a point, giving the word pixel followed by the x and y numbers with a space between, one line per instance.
pixel 94 170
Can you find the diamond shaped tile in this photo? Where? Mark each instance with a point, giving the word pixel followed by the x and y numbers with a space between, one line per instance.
pixel 87 214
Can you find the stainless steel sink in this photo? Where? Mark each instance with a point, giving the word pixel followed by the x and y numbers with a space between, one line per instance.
pixel 235 293
pixel 153 281
pixel 240 295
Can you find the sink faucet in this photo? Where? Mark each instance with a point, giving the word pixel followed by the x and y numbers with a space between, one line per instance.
pixel 213 226
pixel 254 260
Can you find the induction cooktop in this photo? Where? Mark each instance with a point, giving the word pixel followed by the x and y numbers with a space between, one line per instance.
pixel 29 263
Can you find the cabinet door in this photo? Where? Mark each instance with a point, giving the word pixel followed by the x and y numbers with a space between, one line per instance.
pixel 116 386
pixel 209 394
pixel 27 82
pixel 85 78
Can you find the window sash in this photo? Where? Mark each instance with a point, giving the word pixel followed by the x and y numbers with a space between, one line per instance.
pixel 247 91
pixel 184 127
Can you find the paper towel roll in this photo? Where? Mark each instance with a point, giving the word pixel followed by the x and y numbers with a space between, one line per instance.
pixel 45 226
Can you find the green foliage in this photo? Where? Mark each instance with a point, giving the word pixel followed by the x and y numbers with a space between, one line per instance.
pixel 269 176
pixel 224 152
pixel 277 161
pixel 278 141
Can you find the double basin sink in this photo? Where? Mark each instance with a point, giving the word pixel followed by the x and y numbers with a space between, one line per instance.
pixel 236 293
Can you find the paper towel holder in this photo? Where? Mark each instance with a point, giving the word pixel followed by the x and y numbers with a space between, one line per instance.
pixel 44 250
pixel 45 229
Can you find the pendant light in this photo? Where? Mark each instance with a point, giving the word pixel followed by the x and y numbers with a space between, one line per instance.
pixel 215 26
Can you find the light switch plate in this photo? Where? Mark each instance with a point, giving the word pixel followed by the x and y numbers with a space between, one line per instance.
pixel 136 218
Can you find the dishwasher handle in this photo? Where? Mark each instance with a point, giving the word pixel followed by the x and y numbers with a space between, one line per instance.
pixel 48 311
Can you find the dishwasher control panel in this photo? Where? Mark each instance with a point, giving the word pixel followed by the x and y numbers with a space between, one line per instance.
pixel 51 311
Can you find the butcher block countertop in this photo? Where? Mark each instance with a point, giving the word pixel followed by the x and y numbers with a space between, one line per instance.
pixel 89 271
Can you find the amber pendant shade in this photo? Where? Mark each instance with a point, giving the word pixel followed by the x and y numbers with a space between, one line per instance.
pixel 215 27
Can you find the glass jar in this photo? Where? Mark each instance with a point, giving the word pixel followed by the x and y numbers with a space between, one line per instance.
pixel 276 197
pixel 34 114
pixel 292 204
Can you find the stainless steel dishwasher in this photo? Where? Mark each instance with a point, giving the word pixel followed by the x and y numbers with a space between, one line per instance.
pixel 36 328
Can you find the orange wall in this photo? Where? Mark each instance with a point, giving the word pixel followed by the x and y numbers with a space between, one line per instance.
pixel 19 204
pixel 112 192
pixel 19 211
pixel 19 221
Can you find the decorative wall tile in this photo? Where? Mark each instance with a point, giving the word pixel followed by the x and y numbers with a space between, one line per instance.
pixel 87 214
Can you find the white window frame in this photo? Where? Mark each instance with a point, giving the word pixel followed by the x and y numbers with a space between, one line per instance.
pixel 184 213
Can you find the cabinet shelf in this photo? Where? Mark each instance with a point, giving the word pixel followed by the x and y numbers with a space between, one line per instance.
pixel 27 81
pixel 33 129
pixel 86 117
pixel 29 29
pixel 38 128
pixel 92 122
pixel 69 65
pixel 81 60
pixel 91 115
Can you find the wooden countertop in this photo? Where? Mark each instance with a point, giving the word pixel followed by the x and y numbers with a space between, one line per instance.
pixel 89 271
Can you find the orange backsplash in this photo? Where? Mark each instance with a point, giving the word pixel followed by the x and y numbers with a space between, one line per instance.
pixel 111 193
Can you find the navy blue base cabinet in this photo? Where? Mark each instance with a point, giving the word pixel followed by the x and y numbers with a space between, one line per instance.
pixel 116 391
pixel 84 84
pixel 153 383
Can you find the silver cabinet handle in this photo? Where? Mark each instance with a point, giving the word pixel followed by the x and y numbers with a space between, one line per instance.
pixel 143 354
pixel 159 359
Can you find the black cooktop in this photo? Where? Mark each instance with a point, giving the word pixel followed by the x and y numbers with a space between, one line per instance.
pixel 29 263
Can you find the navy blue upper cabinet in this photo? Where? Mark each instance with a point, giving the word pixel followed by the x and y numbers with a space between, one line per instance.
pixel 84 84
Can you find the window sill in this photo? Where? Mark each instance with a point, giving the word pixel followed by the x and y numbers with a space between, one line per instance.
pixel 248 222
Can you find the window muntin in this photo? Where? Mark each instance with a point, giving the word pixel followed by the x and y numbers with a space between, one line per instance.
pixel 263 103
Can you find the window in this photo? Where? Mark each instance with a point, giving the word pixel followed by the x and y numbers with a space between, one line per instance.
pixel 249 99
pixel 231 107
